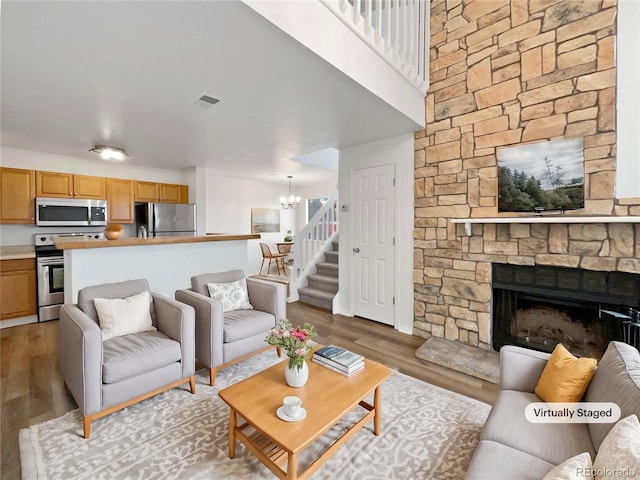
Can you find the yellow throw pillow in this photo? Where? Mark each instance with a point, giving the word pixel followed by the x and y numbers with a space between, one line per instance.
pixel 565 378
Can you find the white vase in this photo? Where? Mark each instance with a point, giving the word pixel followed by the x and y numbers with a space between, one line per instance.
pixel 296 377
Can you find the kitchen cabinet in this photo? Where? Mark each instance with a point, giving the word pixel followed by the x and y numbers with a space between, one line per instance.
pixel 169 193
pixel 120 198
pixel 17 196
pixel 53 184
pixel 161 192
pixel 66 185
pixel 89 187
pixel 17 288
pixel 146 192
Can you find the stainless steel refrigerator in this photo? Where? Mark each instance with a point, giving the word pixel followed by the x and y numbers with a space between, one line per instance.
pixel 166 219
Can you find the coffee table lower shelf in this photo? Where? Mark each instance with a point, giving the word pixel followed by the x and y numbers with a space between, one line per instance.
pixel 274 456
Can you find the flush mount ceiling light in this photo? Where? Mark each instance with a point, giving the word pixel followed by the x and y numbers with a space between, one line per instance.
pixel 291 201
pixel 109 153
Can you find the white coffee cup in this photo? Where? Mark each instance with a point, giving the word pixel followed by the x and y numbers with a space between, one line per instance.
pixel 291 405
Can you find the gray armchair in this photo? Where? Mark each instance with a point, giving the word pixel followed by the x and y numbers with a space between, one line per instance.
pixel 224 338
pixel 107 375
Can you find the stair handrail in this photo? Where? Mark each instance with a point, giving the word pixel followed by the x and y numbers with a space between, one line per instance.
pixel 312 240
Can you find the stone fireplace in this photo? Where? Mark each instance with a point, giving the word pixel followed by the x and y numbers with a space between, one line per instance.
pixel 539 307
pixel 507 73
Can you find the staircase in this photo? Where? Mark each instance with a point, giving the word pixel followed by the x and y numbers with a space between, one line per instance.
pixel 322 285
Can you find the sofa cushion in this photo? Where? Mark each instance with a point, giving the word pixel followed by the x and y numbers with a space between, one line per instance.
pixel 132 355
pixel 239 324
pixel 232 295
pixel 112 290
pixel 123 316
pixel 551 442
pixel 620 450
pixel 574 468
pixel 617 380
pixel 565 378
pixel 199 282
pixel 494 461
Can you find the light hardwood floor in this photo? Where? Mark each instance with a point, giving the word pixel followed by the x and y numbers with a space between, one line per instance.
pixel 31 389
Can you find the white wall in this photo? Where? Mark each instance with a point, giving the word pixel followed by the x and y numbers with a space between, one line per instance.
pixel 228 210
pixel 51 162
pixel 628 103
pixel 397 151
pixel 317 28
pixel 34 160
pixel 167 268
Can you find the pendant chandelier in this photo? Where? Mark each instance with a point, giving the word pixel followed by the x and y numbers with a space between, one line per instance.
pixel 290 201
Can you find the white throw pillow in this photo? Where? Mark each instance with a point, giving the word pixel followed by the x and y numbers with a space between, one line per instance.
pixel 123 316
pixel 233 296
pixel 619 451
pixel 574 468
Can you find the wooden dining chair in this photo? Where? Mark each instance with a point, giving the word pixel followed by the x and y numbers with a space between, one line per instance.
pixel 278 257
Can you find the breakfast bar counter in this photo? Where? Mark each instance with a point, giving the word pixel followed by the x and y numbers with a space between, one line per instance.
pixel 135 241
pixel 167 263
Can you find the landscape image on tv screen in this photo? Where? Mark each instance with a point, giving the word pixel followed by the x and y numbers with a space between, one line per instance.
pixel 538 177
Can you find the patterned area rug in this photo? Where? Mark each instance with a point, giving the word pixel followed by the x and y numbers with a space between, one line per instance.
pixel 427 432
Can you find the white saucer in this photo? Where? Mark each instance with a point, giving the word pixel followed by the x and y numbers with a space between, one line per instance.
pixel 283 416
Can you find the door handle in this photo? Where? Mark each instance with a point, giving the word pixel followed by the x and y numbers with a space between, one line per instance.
pixel 356 250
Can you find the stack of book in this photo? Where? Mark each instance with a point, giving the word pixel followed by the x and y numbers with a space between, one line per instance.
pixel 339 360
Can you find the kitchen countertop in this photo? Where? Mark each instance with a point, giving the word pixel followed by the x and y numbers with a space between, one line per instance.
pixel 135 241
pixel 17 252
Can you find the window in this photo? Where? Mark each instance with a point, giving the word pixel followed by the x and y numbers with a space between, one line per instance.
pixel 313 205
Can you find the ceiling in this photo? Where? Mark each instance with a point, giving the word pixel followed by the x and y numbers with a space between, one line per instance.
pixel 75 74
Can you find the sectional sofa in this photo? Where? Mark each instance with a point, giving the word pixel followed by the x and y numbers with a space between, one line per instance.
pixel 513 448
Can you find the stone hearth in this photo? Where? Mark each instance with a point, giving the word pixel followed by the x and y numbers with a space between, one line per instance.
pixel 483 364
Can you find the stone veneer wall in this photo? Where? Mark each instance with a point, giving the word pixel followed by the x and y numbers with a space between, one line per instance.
pixel 507 72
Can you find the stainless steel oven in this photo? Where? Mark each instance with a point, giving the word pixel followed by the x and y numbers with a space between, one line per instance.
pixel 50 271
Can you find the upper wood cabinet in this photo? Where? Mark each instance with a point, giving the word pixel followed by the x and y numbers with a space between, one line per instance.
pixel 66 185
pixel 170 193
pixel 17 196
pixel 20 187
pixel 161 192
pixel 120 195
pixel 146 192
pixel 89 187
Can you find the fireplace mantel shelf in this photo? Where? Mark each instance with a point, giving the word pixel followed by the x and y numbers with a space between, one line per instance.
pixel 546 219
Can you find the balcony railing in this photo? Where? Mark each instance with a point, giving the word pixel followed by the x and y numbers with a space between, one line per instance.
pixel 397 30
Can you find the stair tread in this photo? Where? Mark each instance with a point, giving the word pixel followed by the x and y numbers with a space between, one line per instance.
pixel 314 292
pixel 323 278
pixel 327 265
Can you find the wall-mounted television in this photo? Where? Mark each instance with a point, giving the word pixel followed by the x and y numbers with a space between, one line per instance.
pixel 541 177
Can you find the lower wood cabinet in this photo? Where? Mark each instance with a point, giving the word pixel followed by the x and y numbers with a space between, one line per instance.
pixel 17 288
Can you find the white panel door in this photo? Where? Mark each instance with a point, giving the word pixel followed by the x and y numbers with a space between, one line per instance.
pixel 373 246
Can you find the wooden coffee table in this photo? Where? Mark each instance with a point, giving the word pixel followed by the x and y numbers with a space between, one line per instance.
pixel 327 397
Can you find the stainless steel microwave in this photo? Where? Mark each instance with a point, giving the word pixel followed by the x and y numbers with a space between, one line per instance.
pixel 70 212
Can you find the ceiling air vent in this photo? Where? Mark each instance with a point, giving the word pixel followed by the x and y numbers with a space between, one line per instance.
pixel 208 99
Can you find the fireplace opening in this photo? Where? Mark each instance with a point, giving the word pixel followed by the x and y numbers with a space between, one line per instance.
pixel 539 307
